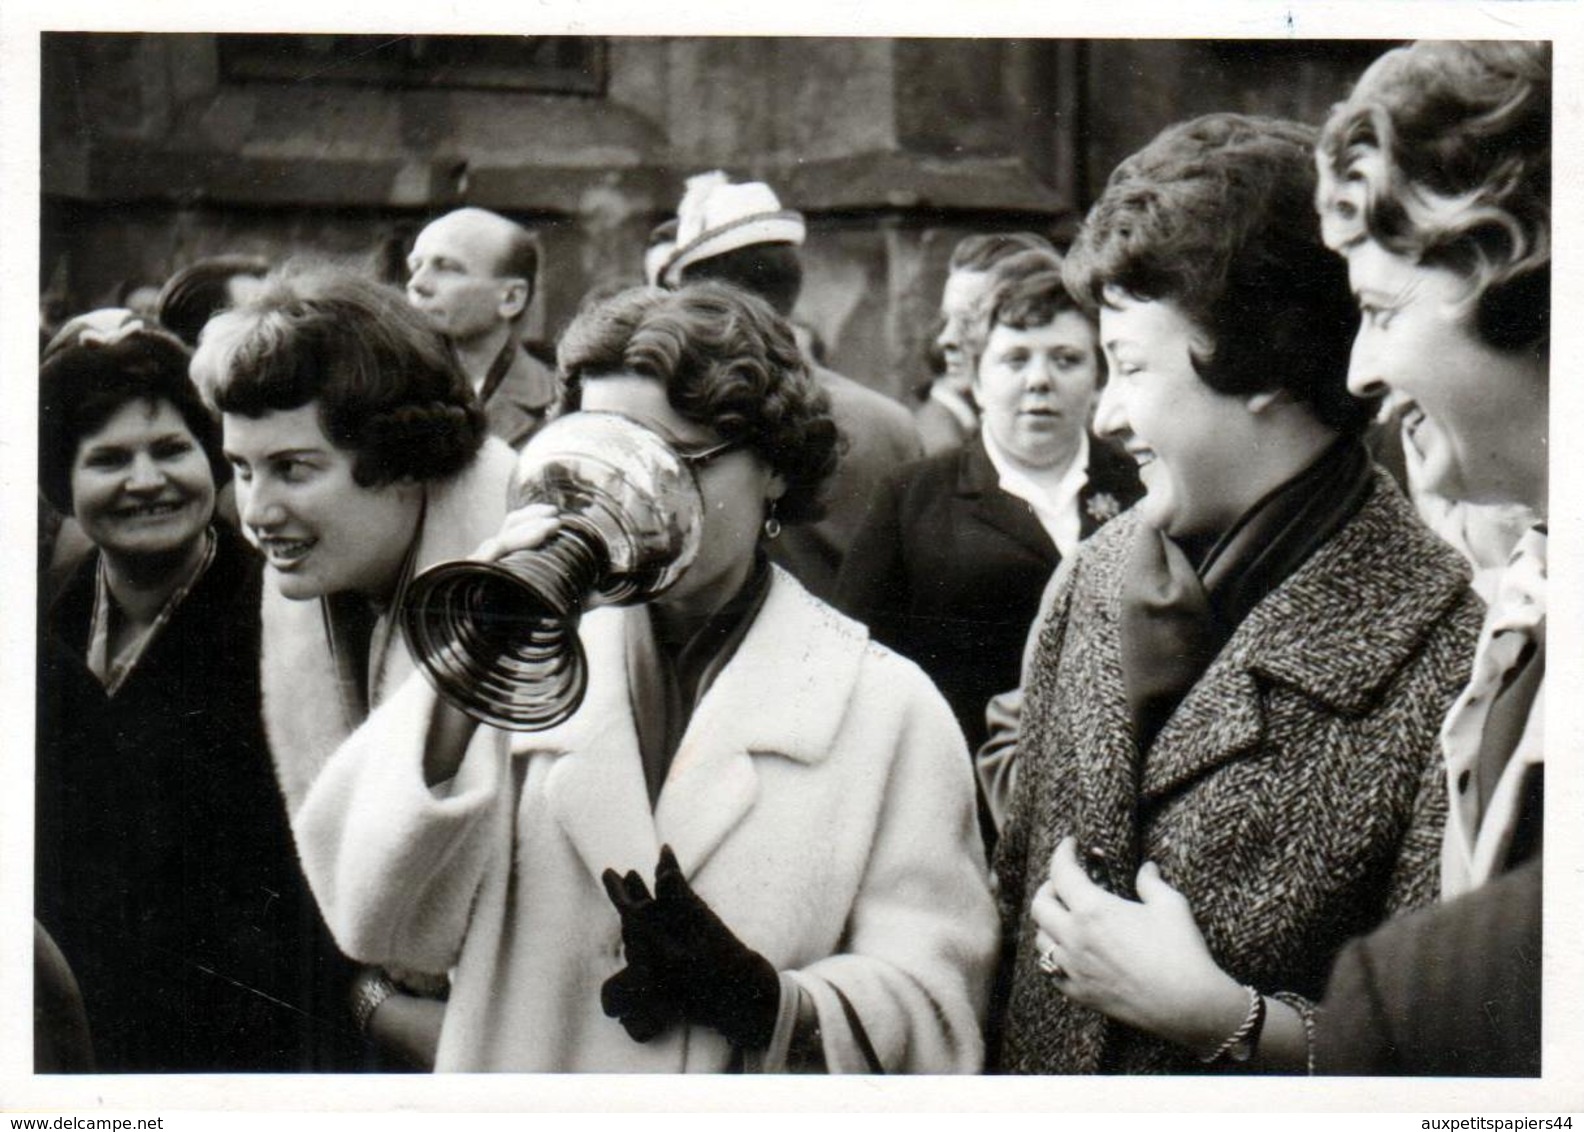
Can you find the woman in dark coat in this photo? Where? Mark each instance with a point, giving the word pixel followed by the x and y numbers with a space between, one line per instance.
pixel 165 867
pixel 956 548
pixel 1228 747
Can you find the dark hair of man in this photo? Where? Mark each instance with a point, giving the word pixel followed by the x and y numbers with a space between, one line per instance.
pixel 1210 216
pixel 728 362
pixel 771 271
pixel 192 296
pixel 982 251
pixel 387 386
pixel 83 384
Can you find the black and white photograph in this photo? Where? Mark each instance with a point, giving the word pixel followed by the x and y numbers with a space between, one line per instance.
pixel 931 562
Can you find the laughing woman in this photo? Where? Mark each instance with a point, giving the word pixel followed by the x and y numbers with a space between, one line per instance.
pixel 165 865
pixel 1231 713
pixel 800 797
pixel 360 457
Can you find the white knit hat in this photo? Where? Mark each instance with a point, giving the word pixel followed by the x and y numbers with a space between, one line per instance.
pixel 716 216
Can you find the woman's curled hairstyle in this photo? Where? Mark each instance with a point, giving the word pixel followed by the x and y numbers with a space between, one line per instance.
pixel 388 387
pixel 1442 154
pixel 88 375
pixel 1216 215
pixel 728 362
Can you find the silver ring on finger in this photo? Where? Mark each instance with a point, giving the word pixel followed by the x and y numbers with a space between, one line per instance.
pixel 1048 963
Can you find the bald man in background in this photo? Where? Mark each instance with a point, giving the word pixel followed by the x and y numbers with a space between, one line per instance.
pixel 472 272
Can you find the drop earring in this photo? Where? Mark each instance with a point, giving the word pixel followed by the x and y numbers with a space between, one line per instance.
pixel 772 525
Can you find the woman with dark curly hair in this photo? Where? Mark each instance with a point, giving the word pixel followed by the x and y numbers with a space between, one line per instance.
pixel 360 458
pixel 1227 756
pixel 165 865
pixel 820 900
pixel 1435 185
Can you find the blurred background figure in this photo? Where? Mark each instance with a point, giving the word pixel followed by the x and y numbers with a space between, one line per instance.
pixel 201 290
pixel 1436 187
pixel 1227 761
pixel 165 868
pixel 949 416
pixel 740 234
pixel 361 457
pixel 956 549
pixel 798 798
pixel 472 273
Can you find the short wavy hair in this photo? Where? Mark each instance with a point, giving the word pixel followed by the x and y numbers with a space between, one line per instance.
pixel 728 362
pixel 1216 216
pixel 1033 297
pixel 983 250
pixel 1442 154
pixel 88 375
pixel 388 388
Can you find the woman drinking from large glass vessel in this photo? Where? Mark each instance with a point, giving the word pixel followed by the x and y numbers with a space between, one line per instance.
pixel 753 847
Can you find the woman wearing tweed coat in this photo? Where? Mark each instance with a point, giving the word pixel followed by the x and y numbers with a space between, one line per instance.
pixel 1233 705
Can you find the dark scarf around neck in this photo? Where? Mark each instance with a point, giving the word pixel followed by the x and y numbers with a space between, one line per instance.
pixel 1177 615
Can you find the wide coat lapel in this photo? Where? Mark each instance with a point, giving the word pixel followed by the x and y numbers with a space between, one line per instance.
pixel 782 695
pixel 979 490
pixel 1337 631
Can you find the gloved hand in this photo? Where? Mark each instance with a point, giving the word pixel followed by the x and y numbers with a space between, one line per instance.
pixel 684 963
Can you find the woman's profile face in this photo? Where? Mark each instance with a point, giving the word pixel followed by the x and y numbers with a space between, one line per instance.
pixel 1188 439
pixel 1471 426
pixel 141 484
pixel 960 299
pixel 1037 387
pixel 736 487
pixel 321 531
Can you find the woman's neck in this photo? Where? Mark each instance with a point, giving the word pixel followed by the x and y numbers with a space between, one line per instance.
pixel 142 584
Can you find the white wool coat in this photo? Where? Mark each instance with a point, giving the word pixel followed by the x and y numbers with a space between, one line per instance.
pixel 820 801
pixel 306 716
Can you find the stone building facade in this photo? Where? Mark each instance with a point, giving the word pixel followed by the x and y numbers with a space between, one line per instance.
pixel 160 148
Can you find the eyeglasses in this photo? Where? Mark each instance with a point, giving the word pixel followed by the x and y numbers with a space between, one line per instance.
pixel 704 457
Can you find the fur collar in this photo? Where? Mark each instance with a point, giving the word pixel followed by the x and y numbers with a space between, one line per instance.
pixel 304 715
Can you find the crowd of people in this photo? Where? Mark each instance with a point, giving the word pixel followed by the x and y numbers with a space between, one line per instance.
pixel 1163 693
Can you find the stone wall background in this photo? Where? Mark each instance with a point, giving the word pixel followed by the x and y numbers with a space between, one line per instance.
pixel 893 148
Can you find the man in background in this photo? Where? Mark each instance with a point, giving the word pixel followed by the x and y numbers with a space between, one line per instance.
pixel 472 273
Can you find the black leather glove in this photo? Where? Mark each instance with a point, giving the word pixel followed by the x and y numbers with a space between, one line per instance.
pixel 684 963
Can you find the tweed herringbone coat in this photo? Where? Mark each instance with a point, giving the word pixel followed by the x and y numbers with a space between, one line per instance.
pixel 1295 797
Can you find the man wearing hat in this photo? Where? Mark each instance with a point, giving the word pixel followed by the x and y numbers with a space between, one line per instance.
pixel 740 234
pixel 472 273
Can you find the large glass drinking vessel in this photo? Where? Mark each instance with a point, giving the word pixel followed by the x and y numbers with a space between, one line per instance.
pixel 499 639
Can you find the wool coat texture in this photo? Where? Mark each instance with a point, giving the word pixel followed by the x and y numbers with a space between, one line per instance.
pixel 1295 797
pixel 820 802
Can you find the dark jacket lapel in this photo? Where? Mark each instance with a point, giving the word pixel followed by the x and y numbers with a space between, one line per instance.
pixel 979 488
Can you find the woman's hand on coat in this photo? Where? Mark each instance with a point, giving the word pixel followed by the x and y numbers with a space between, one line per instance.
pixel 526 528
pixel 1141 962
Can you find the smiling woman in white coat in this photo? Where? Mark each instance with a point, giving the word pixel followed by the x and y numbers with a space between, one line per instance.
pixel 797 797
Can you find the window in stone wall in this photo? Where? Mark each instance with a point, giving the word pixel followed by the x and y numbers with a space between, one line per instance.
pixel 557 64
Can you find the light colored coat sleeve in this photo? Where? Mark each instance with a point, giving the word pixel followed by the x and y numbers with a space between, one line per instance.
pixel 915 966
pixel 393 863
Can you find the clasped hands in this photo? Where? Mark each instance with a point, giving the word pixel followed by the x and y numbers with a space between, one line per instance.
pixel 1143 962
pixel 684 964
